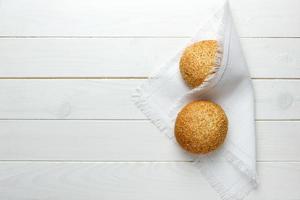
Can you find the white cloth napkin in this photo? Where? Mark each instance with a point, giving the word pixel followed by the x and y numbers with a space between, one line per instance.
pixel 231 170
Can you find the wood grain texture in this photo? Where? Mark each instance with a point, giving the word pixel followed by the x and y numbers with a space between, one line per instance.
pixel 130 181
pixel 268 18
pixel 123 140
pixel 127 57
pixel 84 159
pixel 111 99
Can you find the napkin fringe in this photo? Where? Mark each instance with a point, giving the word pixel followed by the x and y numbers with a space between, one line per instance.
pixel 141 102
pixel 240 165
pixel 219 187
pixel 241 193
pixel 224 192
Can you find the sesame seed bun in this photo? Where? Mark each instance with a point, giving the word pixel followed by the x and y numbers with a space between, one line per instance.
pixel 201 127
pixel 198 61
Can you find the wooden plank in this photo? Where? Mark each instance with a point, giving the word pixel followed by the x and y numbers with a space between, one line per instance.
pixel 277 99
pixel 272 58
pixel 127 57
pixel 84 57
pixel 123 140
pixel 278 141
pixel 111 99
pixel 78 181
pixel 266 18
pixel 269 18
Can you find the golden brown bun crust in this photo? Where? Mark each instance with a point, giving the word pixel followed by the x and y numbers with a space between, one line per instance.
pixel 201 127
pixel 198 61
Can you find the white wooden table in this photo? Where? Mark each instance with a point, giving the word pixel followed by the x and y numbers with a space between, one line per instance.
pixel 68 129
